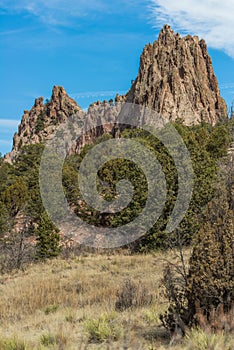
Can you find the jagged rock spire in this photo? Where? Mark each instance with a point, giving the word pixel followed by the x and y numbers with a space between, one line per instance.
pixel 176 78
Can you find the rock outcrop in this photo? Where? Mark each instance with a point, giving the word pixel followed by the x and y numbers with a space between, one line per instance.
pixel 177 80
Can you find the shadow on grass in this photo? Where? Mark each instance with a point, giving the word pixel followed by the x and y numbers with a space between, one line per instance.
pixel 159 334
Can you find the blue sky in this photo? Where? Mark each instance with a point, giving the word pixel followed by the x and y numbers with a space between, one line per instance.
pixel 92 47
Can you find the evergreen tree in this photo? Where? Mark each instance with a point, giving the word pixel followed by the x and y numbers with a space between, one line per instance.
pixel 4 219
pixel 47 236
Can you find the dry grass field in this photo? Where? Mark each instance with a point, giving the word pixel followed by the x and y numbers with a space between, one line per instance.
pixel 81 303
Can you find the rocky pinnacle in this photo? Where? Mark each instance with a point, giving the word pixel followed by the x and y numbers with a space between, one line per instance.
pixel 177 80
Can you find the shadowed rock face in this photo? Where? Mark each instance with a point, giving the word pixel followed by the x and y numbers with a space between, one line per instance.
pixel 177 80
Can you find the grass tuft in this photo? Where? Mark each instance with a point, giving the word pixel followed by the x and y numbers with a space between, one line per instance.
pixel 103 328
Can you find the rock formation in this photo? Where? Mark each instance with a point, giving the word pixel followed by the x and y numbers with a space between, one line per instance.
pixel 177 80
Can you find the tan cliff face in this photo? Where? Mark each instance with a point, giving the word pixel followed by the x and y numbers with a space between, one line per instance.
pixel 177 80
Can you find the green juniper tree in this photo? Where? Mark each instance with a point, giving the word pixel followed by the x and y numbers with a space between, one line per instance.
pixel 47 236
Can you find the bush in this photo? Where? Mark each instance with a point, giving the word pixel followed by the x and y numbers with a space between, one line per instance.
pixel 132 295
pixel 15 251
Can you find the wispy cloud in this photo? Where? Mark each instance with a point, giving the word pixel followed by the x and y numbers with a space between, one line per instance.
pixel 8 123
pixel 93 94
pixel 54 12
pixel 5 143
pixel 64 12
pixel 227 86
pixel 12 32
pixel 210 19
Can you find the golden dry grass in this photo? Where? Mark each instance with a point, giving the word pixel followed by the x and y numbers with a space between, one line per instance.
pixel 70 304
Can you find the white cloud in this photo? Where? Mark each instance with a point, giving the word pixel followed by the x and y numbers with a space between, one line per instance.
pixel 8 123
pixel 209 19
